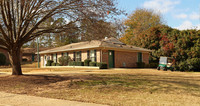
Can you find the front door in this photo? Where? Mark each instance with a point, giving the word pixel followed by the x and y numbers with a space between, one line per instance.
pixel 33 57
pixel 111 59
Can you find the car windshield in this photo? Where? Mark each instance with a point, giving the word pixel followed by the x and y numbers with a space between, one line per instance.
pixel 163 60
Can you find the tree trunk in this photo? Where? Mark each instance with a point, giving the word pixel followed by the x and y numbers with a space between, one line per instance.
pixel 15 60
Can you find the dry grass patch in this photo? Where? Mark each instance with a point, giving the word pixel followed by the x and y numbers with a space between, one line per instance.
pixel 28 70
pixel 112 87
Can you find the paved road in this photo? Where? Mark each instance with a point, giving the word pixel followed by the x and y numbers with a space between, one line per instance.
pixel 8 99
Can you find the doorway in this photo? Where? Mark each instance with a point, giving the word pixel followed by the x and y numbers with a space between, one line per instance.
pixel 111 59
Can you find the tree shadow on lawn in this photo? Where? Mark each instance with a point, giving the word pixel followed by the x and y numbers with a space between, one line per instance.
pixel 125 82
pixel 147 83
pixel 35 79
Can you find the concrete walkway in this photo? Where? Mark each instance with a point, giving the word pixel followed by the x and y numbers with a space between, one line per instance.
pixel 8 99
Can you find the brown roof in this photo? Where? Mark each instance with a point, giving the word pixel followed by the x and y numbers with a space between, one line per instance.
pixel 32 50
pixel 105 43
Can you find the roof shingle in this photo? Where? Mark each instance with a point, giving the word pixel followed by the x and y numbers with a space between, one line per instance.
pixel 105 43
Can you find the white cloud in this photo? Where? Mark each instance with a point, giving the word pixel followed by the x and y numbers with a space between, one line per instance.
pixel 162 6
pixel 181 16
pixel 194 16
pixel 188 25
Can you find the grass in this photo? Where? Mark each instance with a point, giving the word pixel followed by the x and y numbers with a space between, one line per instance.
pixel 32 67
pixel 111 87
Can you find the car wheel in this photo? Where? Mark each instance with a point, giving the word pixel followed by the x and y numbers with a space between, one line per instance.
pixel 158 68
pixel 165 69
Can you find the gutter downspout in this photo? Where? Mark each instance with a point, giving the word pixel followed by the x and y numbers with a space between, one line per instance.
pixel 101 51
pixel 38 55
pixel 101 55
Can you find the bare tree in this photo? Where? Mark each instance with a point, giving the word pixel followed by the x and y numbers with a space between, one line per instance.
pixel 22 20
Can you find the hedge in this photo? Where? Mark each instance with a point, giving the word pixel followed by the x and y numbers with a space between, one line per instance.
pixel 74 63
pixel 57 64
pixel 102 65
pixel 153 65
pixel 93 63
pixel 49 62
pixel 79 63
pixel 71 63
pixel 53 64
pixel 24 60
pixel 87 62
pixel 2 59
pixel 64 60
pixel 140 64
pixel 189 65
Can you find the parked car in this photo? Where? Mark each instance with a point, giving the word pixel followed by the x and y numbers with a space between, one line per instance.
pixel 166 63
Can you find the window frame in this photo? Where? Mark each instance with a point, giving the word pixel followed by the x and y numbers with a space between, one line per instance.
pixel 78 56
pixel 93 56
pixel 65 54
pixel 55 58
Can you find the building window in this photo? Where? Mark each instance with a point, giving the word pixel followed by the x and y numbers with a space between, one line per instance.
pixel 139 57
pixel 78 56
pixel 55 58
pixel 48 58
pixel 93 55
pixel 65 54
pixel 88 54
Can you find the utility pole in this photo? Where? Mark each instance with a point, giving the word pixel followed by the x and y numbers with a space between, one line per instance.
pixel 38 55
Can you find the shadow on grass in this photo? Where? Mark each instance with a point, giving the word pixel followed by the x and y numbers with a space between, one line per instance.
pixel 117 82
pixel 147 83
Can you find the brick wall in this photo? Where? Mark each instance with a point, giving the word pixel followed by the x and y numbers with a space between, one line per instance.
pixel 125 59
pixel 145 58
pixel 105 56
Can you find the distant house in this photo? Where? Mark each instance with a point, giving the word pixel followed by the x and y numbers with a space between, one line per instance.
pixel 6 54
pixel 28 54
pixel 111 51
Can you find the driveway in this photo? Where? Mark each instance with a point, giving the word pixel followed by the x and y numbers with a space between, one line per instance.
pixel 8 99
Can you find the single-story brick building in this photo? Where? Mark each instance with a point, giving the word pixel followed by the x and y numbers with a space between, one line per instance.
pixel 29 54
pixel 111 51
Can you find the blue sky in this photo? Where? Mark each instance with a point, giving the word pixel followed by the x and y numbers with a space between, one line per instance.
pixel 180 14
